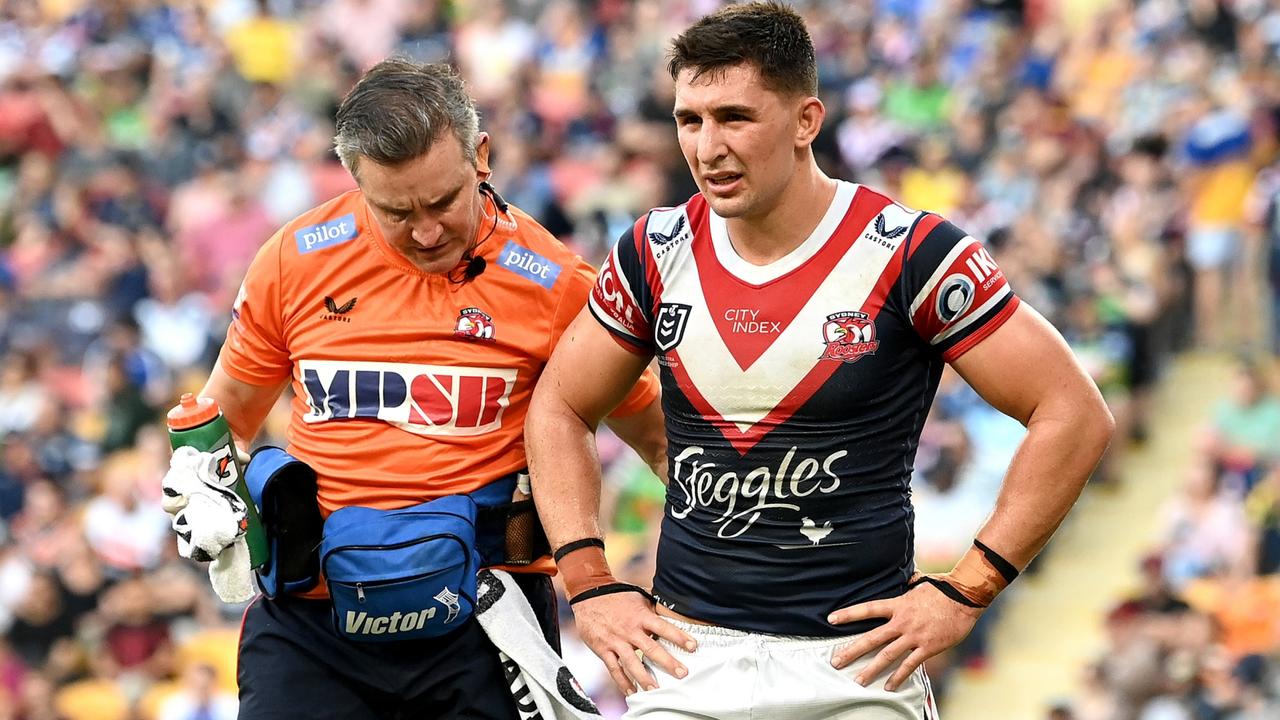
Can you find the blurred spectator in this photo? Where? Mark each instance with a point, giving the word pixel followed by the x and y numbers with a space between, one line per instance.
pixel 22 396
pixel 1204 531
pixel 126 409
pixel 126 534
pixel 1243 607
pixel 1218 182
pixel 1263 509
pixel 200 698
pixel 935 184
pixel 41 622
pixel 1246 424
pixel 175 320
pixel 263 47
pixel 135 638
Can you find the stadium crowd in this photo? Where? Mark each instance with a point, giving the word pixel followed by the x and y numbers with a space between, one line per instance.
pixel 1119 159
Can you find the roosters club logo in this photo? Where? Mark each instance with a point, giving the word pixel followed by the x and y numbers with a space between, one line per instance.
pixel 475 324
pixel 849 336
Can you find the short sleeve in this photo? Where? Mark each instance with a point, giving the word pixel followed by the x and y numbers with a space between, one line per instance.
pixel 958 294
pixel 255 351
pixel 619 299
pixel 583 283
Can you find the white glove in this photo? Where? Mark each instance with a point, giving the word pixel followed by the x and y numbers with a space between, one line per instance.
pixel 210 522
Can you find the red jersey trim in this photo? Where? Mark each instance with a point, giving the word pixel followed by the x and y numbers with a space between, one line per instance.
pixel 983 332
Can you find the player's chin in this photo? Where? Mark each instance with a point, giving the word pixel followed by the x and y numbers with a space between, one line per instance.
pixel 729 207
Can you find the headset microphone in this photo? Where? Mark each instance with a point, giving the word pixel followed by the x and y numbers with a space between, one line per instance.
pixel 487 189
pixel 475 266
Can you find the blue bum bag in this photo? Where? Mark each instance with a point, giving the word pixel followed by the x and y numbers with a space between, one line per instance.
pixel 284 489
pixel 392 575
pixel 401 574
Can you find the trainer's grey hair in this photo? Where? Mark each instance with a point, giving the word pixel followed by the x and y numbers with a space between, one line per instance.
pixel 398 110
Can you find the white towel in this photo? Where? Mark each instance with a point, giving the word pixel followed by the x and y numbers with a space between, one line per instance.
pixel 209 522
pixel 230 574
pixel 541 683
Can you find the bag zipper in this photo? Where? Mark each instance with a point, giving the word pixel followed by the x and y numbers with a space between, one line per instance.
pixel 324 562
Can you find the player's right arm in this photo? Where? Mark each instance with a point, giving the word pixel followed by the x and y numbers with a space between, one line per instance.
pixel 597 361
pixel 587 376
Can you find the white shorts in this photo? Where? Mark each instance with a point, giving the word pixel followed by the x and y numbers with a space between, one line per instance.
pixel 735 675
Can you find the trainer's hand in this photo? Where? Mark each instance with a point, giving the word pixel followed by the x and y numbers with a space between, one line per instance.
pixel 616 626
pixel 922 623
pixel 206 517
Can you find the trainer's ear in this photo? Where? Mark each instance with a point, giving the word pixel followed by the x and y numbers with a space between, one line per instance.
pixel 482 157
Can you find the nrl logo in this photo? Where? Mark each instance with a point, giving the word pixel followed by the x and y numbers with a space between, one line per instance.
pixel 670 324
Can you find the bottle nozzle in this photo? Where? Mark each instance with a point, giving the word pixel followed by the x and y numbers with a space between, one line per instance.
pixel 192 411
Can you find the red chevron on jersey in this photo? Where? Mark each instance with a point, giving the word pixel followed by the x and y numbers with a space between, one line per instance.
pixel 744 333
pixel 746 382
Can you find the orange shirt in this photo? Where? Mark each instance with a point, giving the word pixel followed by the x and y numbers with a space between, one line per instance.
pixel 407 386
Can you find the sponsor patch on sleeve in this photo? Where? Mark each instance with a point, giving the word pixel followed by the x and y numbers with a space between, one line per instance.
pixel 528 264
pixel 326 234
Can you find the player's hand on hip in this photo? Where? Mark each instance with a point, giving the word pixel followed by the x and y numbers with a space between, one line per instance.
pixel 922 623
pixel 621 628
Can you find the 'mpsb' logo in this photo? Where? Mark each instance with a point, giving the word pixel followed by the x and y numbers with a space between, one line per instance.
pixel 422 399
pixel 326 234
pixel 849 336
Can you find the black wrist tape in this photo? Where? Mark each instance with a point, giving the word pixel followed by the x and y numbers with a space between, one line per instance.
pixel 610 589
pixel 577 545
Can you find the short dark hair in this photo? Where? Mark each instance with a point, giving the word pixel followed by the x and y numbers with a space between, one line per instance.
pixel 770 36
pixel 398 110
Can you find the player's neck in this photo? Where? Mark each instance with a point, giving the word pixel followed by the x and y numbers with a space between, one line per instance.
pixel 765 238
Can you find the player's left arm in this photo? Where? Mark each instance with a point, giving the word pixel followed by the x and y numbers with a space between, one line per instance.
pixel 1027 372
pixel 1024 369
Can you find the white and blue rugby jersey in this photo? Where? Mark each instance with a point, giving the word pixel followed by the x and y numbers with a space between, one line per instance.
pixel 794 396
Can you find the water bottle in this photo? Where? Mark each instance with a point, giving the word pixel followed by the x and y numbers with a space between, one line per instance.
pixel 198 422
